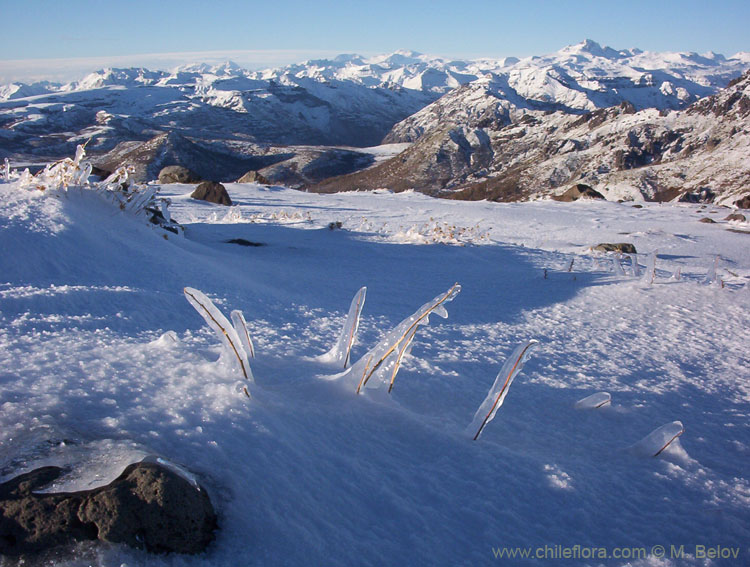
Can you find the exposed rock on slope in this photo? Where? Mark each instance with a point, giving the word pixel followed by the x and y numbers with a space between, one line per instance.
pixel 149 158
pixel 496 150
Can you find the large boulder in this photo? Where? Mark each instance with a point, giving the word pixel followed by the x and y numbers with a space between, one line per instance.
pixel 148 506
pixel 177 174
pixel 623 247
pixel 704 195
pixel 743 203
pixel 578 191
pixel 253 177
pixel 212 192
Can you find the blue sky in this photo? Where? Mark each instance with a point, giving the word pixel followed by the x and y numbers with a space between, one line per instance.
pixel 90 34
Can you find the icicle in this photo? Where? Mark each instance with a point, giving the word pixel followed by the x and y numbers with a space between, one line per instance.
pixel 711 273
pixel 616 266
pixel 649 275
pixel 341 351
pixel 80 153
pixel 240 326
pixel 635 269
pixel 83 175
pixel 221 327
pixel 499 389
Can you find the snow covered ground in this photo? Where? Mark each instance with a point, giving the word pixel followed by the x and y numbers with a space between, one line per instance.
pixel 103 362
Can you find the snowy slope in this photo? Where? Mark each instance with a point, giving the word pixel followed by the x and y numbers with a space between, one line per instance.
pixel 307 472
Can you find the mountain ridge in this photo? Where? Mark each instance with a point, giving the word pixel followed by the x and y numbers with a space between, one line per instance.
pixel 352 101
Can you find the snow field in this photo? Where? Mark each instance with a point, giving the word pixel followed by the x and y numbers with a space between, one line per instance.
pixel 307 472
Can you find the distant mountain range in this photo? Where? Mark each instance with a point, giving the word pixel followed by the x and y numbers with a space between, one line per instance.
pixel 469 122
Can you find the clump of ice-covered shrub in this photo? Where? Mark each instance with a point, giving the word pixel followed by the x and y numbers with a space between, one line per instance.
pixel 62 176
pixel 381 364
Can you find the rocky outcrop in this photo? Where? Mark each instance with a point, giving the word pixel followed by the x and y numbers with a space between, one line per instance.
pixel 623 247
pixel 736 217
pixel 147 159
pixel 212 192
pixel 578 191
pixel 743 203
pixel 177 174
pixel 529 151
pixel 307 166
pixel 253 177
pixel 149 506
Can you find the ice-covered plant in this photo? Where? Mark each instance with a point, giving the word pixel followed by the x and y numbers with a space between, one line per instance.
pixel 659 439
pixel 228 335
pixel 341 350
pixel 240 326
pixel 498 391
pixel 711 273
pixel 68 173
pixel 649 275
pixel 381 364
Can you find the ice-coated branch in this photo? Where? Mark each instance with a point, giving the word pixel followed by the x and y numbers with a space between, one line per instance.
pixel 499 390
pixel 341 351
pixel 381 364
pixel 659 439
pixel 240 326
pixel 221 326
pixel 649 275
pixel 594 401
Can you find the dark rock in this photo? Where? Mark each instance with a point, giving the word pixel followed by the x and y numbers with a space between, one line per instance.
pixel 707 220
pixel 743 203
pixel 100 172
pixel 334 225
pixel 151 506
pixel 177 174
pixel 704 195
pixel 624 247
pixel 637 206
pixel 578 191
pixel 253 177
pixel 735 217
pixel 212 192
pixel 148 506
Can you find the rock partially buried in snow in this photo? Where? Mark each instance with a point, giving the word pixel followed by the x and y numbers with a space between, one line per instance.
pixel 735 217
pixel 743 203
pixel 212 192
pixel 148 506
pixel 578 191
pixel 177 174
pixel 253 177
pixel 624 247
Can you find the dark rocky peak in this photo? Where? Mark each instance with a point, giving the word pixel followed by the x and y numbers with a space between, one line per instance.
pixel 732 101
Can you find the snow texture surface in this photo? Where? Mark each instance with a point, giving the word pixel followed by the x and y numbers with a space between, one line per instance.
pixel 105 363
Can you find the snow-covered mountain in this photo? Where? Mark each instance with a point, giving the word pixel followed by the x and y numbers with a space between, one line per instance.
pixel 484 141
pixel 347 101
